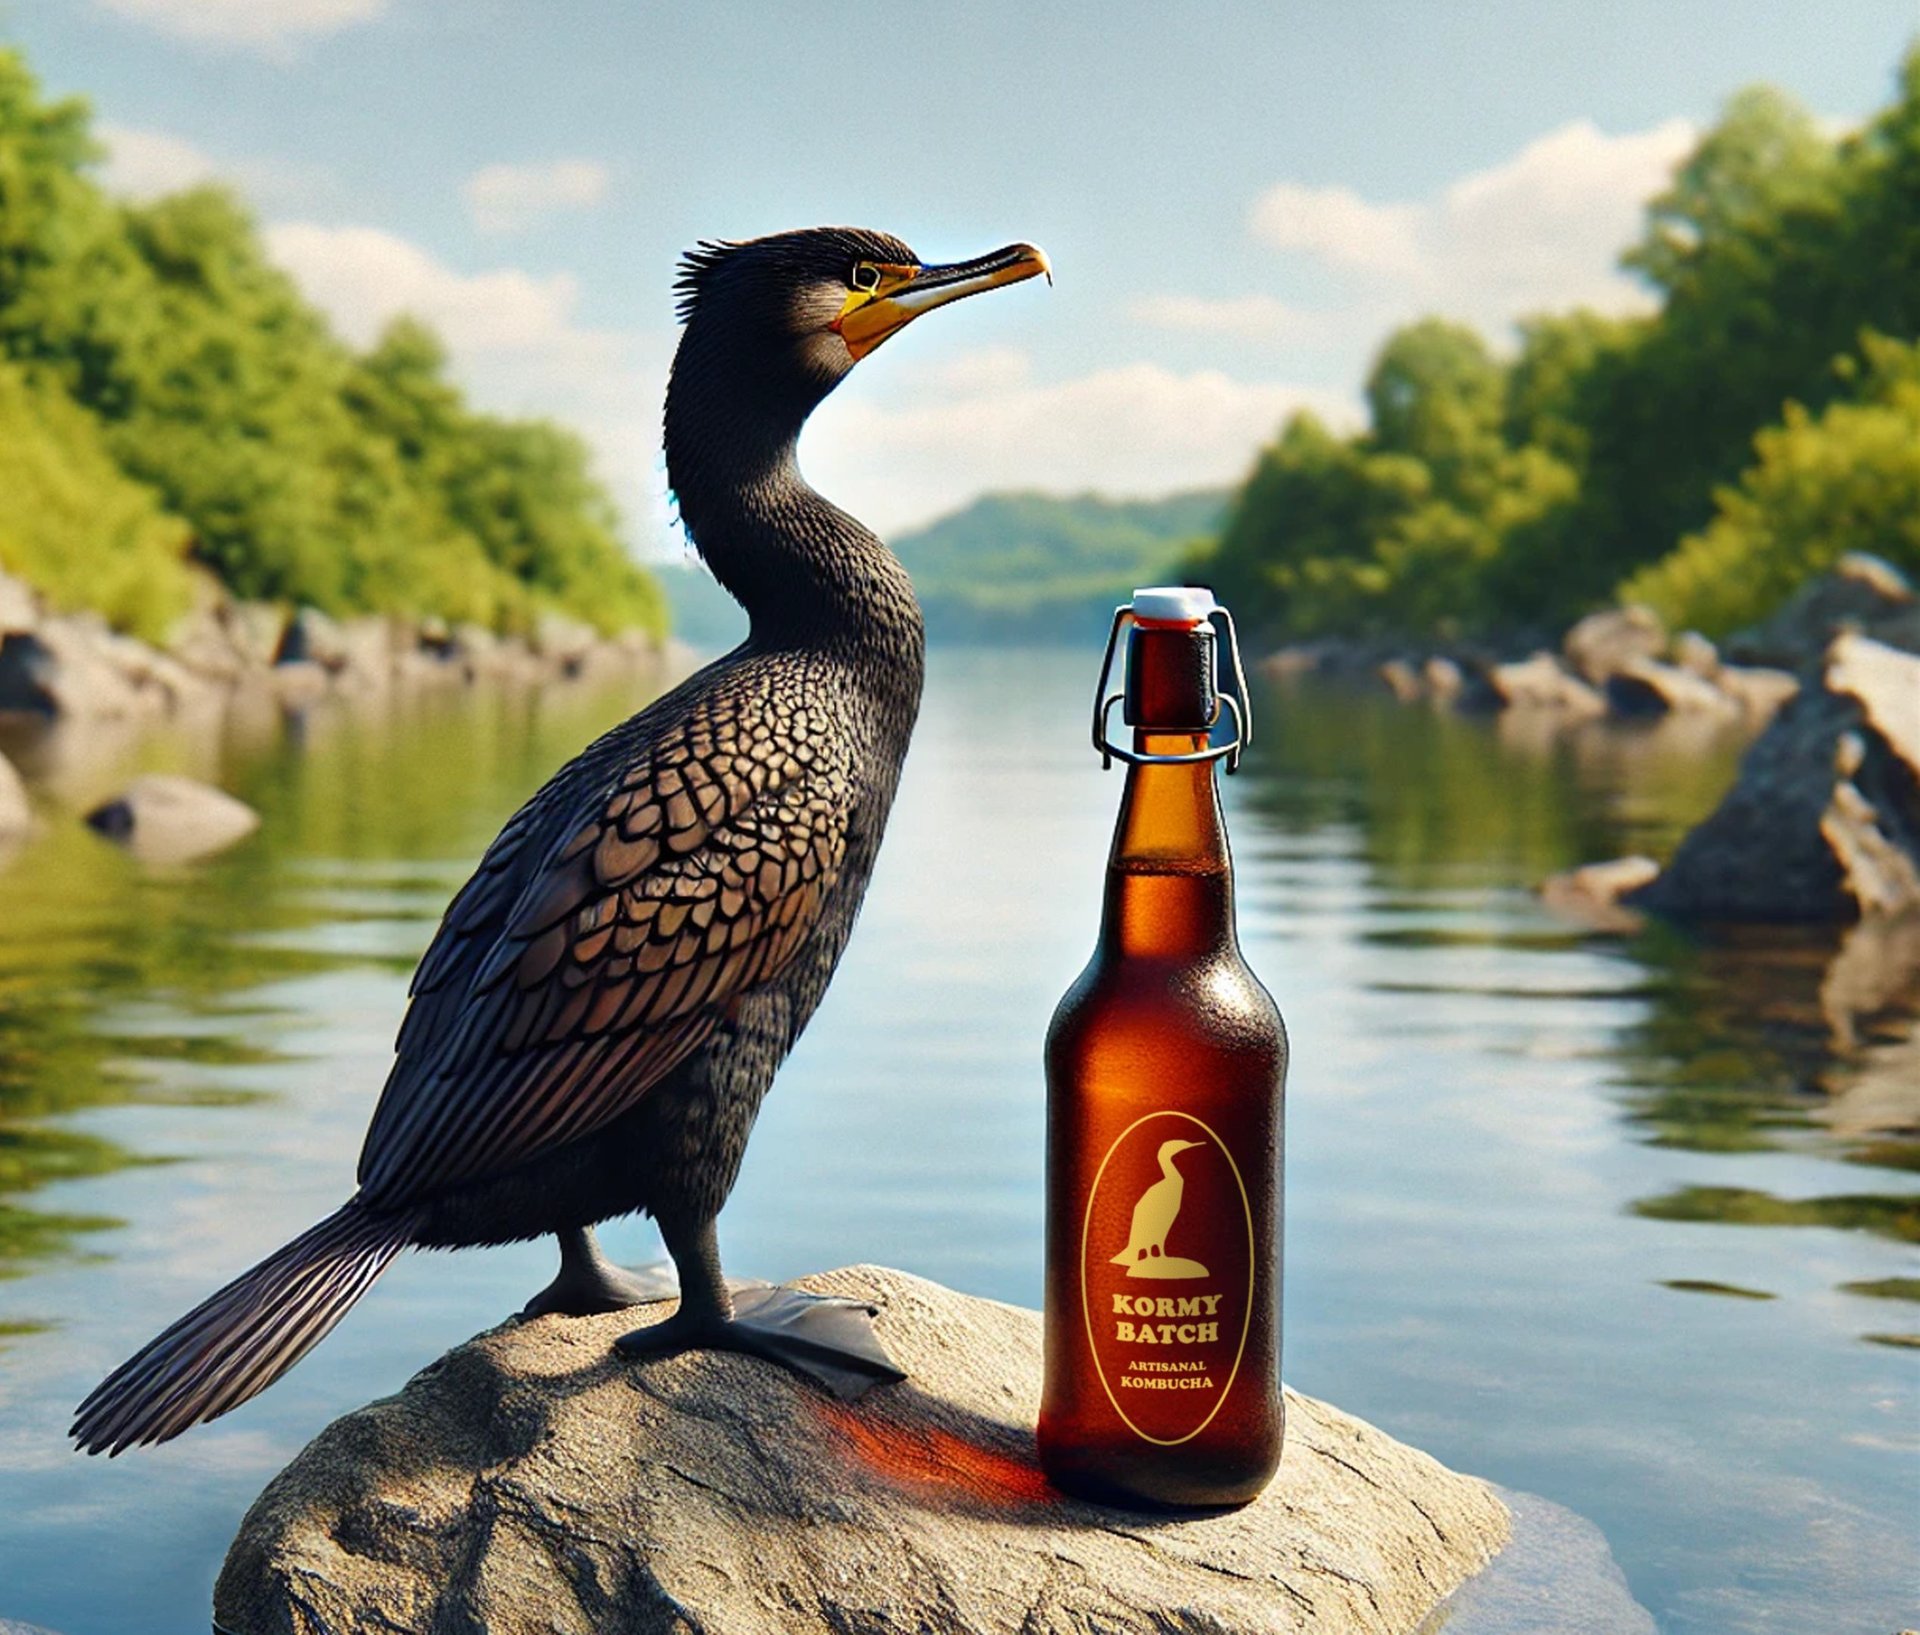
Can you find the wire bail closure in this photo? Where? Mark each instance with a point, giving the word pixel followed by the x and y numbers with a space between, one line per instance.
pixel 1238 703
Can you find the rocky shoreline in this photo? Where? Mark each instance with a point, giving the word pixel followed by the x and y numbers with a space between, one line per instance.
pixel 60 667
pixel 1822 826
pixel 1623 664
pixel 71 674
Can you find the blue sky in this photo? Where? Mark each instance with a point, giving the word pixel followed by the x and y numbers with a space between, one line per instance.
pixel 1239 199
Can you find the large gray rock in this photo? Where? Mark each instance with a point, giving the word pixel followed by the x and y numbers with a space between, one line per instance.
pixel 168 819
pixel 1823 822
pixel 533 1481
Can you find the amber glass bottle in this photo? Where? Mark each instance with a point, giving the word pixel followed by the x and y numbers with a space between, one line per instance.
pixel 1166 1063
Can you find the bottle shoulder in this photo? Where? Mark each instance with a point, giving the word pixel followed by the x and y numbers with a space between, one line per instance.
pixel 1214 1002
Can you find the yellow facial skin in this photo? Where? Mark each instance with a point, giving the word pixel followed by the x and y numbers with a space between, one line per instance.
pixel 899 294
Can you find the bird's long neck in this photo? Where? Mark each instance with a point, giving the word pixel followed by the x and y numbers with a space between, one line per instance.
pixel 806 572
pixel 1172 1174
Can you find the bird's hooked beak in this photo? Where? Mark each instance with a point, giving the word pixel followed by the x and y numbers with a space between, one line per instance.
pixel 900 294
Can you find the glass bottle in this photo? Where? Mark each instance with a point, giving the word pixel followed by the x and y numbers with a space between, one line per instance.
pixel 1166 1065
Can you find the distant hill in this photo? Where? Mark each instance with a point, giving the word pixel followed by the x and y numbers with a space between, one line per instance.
pixel 1027 567
pixel 1008 567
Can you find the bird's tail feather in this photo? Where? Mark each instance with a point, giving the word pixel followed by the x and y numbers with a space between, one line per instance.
pixel 236 1343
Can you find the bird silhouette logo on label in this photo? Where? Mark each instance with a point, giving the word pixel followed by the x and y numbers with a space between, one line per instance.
pixel 1146 1253
pixel 1167 1315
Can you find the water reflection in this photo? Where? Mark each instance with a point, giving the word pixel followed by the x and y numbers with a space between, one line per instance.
pixel 1520 1156
pixel 125 983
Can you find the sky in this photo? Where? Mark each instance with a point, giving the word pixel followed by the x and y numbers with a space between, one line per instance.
pixel 1240 199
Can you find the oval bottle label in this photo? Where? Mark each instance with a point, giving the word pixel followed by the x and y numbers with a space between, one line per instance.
pixel 1166 1275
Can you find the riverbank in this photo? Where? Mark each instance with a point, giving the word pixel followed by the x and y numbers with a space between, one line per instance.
pixel 77 698
pixel 1626 664
pixel 70 667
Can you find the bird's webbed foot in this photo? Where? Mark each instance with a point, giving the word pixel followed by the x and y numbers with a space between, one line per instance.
pixel 829 1339
pixel 588 1283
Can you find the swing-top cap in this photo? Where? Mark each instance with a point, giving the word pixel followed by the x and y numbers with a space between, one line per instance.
pixel 1174 604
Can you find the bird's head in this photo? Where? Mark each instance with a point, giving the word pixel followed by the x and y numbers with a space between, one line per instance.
pixel 786 317
pixel 1169 1148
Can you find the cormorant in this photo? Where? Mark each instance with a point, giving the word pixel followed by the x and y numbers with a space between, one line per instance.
pixel 606 1001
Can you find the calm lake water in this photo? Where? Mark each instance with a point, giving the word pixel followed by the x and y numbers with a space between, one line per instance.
pixel 1602 1220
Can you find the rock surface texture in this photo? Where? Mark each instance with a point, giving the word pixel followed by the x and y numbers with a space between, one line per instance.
pixel 1823 823
pixel 533 1481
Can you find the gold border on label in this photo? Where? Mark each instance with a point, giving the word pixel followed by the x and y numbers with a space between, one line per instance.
pixel 1086 1305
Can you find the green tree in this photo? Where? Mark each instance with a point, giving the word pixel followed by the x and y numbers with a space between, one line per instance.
pixel 1436 393
pixel 1846 479
pixel 1526 493
pixel 73 524
pixel 302 471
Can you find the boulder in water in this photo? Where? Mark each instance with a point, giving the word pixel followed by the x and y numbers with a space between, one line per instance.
pixel 1823 822
pixel 168 819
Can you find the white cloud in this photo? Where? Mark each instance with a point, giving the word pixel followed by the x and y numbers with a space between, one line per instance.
pixel 1336 225
pixel 1136 429
pixel 364 276
pixel 516 341
pixel 508 198
pixel 145 164
pixel 1240 317
pixel 264 25
pixel 1539 231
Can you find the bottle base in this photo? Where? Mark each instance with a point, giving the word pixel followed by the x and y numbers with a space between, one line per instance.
pixel 1147 1485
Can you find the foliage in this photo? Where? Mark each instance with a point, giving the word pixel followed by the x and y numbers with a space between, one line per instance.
pixel 73 524
pixel 1489 495
pixel 1846 479
pixel 299 470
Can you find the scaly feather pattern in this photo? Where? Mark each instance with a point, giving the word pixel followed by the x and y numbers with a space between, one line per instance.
pixel 694 868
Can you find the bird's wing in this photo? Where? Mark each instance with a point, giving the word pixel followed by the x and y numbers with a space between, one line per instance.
pixel 564 984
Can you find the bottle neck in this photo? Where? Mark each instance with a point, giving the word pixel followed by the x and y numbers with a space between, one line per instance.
pixel 1169 876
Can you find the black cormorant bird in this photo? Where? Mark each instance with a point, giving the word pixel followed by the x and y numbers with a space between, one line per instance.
pixel 607 999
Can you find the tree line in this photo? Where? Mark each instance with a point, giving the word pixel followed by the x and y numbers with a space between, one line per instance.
pixel 170 405
pixel 1704 459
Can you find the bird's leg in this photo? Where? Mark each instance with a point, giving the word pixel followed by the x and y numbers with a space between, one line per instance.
pixel 830 1340
pixel 588 1282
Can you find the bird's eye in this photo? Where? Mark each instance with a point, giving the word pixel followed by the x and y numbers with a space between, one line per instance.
pixel 865 277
